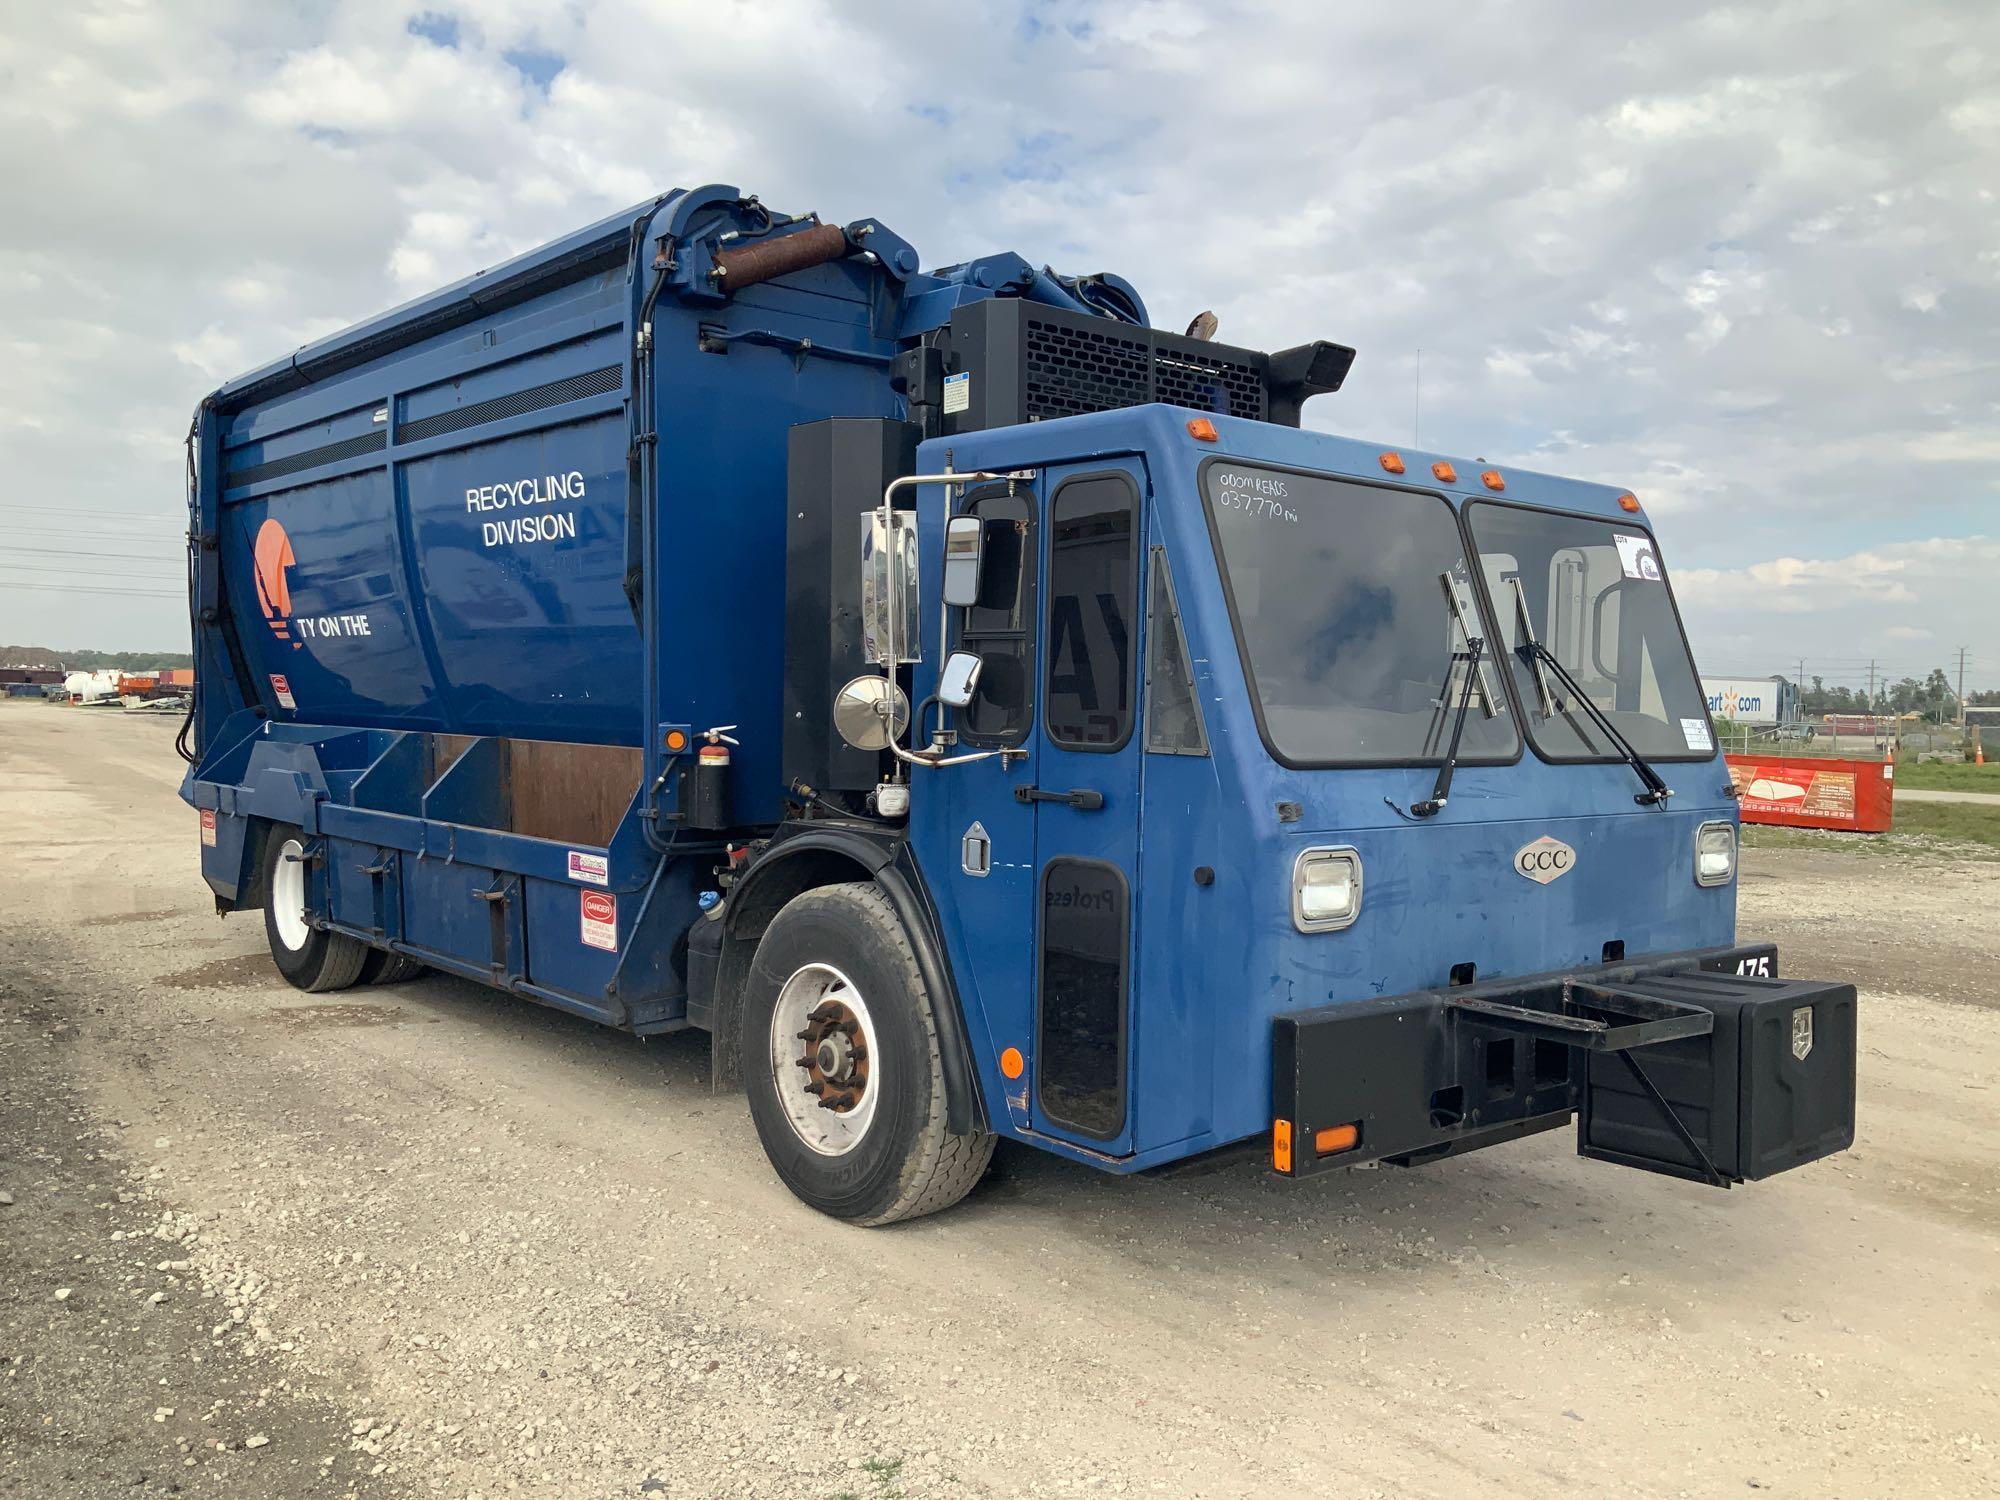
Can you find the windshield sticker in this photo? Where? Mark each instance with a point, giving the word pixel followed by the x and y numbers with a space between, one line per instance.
pixel 1695 732
pixel 1637 557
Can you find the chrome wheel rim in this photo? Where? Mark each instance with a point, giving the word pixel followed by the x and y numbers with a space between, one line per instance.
pixel 288 897
pixel 823 1059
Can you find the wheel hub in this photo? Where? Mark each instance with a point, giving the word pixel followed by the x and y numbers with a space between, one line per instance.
pixel 835 1057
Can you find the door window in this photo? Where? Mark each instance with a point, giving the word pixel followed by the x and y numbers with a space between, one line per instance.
pixel 1081 1055
pixel 1173 717
pixel 1093 580
pixel 999 628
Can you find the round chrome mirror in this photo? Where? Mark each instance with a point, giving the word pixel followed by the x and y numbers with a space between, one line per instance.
pixel 870 713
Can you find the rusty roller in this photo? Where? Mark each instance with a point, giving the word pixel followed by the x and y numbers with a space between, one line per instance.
pixel 770 259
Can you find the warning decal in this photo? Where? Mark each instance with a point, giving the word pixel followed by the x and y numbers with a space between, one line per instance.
pixel 600 920
pixel 284 691
pixel 208 828
pixel 958 392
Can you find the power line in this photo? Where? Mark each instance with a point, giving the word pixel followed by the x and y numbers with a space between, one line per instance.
pixel 56 588
pixel 87 552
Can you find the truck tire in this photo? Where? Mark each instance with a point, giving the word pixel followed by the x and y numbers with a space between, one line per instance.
pixel 309 958
pixel 383 967
pixel 835 1009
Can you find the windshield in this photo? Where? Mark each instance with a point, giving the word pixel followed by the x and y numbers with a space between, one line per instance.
pixel 1596 595
pixel 1346 600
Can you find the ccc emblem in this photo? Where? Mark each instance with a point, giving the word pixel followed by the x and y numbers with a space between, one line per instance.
pixel 1544 860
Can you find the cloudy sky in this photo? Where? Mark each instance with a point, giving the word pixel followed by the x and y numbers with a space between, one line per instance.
pixel 1742 259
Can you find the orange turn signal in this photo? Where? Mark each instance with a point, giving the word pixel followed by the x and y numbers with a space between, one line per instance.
pixel 1011 1062
pixel 1492 480
pixel 1393 462
pixel 1281 1145
pixel 1445 473
pixel 1629 503
pixel 1202 430
pixel 1335 1139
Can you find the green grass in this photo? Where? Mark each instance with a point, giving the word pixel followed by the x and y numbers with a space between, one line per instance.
pixel 1942 777
pixel 1923 830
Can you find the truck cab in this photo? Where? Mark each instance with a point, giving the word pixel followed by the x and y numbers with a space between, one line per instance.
pixel 1219 665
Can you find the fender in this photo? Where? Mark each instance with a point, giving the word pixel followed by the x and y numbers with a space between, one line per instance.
pixel 783 870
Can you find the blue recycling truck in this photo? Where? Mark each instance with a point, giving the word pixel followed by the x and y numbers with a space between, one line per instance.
pixel 984 714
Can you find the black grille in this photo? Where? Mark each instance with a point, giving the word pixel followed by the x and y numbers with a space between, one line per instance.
pixel 1210 383
pixel 312 458
pixel 534 398
pixel 1072 369
pixel 1075 370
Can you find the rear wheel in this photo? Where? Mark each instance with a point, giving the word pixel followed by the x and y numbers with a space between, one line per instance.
pixel 840 1050
pixel 383 967
pixel 308 957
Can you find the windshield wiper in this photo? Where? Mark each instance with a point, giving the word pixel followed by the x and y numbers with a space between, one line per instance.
pixel 1657 791
pixel 1441 789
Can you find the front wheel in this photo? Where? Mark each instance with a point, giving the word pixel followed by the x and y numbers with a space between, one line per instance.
pixel 309 957
pixel 840 1049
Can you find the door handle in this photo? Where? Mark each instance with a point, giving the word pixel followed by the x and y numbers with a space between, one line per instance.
pixel 1081 798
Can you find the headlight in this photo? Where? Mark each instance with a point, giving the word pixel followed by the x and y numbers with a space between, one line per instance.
pixel 1326 889
pixel 1714 854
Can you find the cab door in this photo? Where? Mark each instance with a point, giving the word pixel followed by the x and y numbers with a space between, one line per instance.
pixel 1085 799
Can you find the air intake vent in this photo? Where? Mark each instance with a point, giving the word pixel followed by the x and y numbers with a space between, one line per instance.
pixel 1027 362
pixel 312 458
pixel 1071 370
pixel 1209 383
pixel 535 398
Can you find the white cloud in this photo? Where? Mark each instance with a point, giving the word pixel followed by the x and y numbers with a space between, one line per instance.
pixel 1698 269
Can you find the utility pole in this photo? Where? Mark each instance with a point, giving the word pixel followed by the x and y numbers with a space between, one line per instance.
pixel 1801 681
pixel 1961 687
pixel 1871 685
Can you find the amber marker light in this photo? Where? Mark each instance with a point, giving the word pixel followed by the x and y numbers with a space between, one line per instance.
pixel 1335 1139
pixel 1629 504
pixel 1012 1063
pixel 1492 480
pixel 677 739
pixel 1445 473
pixel 1393 462
pixel 1202 430
pixel 1281 1145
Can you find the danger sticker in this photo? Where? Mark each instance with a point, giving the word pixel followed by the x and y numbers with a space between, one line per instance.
pixel 958 392
pixel 208 827
pixel 592 869
pixel 600 920
pixel 284 691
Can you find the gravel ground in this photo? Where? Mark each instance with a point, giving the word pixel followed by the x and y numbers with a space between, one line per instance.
pixel 426 1240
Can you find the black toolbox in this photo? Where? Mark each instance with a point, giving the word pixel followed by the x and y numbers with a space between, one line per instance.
pixel 1768 1088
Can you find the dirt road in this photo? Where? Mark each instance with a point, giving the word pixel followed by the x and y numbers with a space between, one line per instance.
pixel 427 1240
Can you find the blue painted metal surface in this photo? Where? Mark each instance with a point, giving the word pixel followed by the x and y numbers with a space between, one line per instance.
pixel 427 526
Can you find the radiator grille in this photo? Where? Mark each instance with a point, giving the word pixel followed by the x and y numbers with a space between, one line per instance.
pixel 1076 370
pixel 1071 370
pixel 534 398
pixel 312 458
pixel 1210 383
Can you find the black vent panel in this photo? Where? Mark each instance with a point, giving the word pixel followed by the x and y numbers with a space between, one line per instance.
pixel 519 403
pixel 311 458
pixel 1075 365
pixel 1210 382
pixel 1072 370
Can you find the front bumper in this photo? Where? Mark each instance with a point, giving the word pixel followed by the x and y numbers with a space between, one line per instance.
pixel 1700 1064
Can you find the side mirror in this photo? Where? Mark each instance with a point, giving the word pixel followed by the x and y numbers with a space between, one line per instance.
pixel 959 679
pixel 964 546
